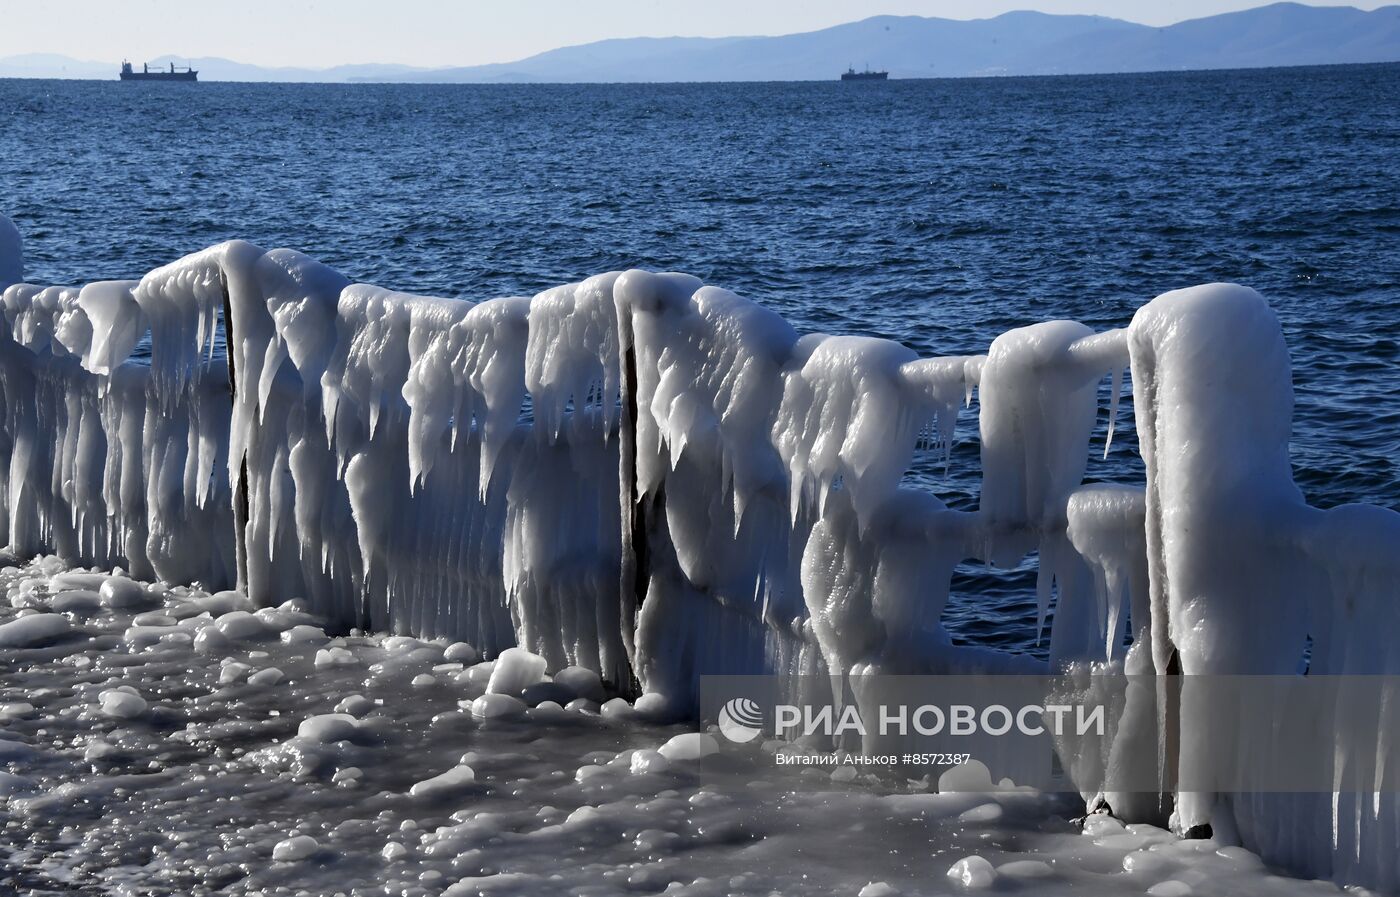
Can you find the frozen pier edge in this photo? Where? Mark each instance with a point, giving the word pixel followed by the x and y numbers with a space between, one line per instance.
pixel 441 468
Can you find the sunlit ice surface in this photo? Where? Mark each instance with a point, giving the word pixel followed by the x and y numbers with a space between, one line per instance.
pixel 163 740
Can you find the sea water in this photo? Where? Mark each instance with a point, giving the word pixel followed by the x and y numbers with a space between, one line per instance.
pixel 938 213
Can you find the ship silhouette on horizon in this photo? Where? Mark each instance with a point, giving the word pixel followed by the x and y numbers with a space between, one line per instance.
pixel 851 74
pixel 128 73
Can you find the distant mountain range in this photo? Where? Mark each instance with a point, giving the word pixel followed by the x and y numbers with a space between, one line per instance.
pixel 1017 43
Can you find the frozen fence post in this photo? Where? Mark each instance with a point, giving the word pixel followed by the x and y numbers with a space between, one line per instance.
pixel 643 503
pixel 1214 401
pixel 240 497
pixel 636 561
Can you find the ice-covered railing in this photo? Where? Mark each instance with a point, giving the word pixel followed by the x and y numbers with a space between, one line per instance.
pixel 443 468
pixel 385 474
pixel 103 459
pixel 767 502
pixel 769 532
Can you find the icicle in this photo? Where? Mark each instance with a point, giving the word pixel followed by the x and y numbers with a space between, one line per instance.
pixel 842 416
pixel 1115 392
pixel 972 376
pixel 493 359
pixel 573 350
pixel 938 384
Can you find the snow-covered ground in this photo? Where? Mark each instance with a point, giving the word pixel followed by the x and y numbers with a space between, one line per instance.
pixel 162 740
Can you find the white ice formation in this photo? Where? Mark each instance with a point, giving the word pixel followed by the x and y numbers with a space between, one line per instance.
pixel 109 461
pixel 444 468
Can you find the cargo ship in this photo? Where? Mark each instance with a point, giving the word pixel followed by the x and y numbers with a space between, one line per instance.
pixel 183 74
pixel 852 75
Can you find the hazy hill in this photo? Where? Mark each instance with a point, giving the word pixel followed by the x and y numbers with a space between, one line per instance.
pixel 1017 43
pixel 52 65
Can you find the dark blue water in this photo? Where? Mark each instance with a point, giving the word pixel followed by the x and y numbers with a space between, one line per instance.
pixel 937 213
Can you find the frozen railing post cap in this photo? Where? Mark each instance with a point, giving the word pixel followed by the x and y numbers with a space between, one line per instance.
pixel 648 292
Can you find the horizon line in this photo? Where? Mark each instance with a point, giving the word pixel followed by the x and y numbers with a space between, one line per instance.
pixel 373 82
pixel 733 37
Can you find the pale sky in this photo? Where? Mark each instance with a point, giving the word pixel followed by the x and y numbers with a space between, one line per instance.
pixel 320 33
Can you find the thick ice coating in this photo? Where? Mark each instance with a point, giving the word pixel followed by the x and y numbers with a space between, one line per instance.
pixel 110 461
pixel 845 418
pixel 572 356
pixel 655 480
pixel 1243 572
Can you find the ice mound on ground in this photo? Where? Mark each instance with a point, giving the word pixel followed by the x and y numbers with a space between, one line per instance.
pixel 689 746
pixel 34 629
pixel 515 670
pixel 328 728
pixel 497 707
pixel 291 850
pixel 973 873
pixel 444 784
pixel 122 704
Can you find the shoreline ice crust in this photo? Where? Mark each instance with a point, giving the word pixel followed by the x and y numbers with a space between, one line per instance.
pixel 437 468
pixel 283 760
